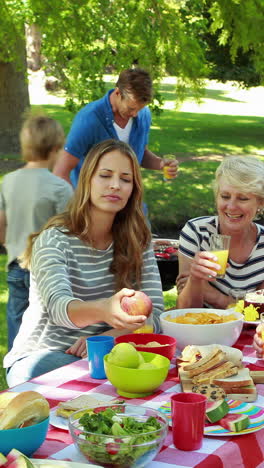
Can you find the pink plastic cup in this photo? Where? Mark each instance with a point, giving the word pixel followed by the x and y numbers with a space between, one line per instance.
pixel 188 417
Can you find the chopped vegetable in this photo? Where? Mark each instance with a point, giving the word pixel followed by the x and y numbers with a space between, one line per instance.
pixel 128 438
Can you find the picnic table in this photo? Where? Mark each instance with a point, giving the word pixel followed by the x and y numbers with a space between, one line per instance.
pixel 217 452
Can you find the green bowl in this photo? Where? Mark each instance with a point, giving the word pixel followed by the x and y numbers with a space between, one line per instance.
pixel 138 383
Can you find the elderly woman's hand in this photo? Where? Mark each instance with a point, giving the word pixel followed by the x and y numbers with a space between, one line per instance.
pixel 258 343
pixel 78 348
pixel 116 317
pixel 181 280
pixel 204 266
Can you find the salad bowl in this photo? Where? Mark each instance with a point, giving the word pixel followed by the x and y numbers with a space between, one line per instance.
pixel 120 436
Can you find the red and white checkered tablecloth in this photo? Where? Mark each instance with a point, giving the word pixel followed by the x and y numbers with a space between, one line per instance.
pixel 217 452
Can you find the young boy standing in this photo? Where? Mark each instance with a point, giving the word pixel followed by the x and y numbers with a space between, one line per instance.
pixel 28 198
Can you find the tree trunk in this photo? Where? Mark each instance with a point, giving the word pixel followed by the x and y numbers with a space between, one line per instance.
pixel 33 43
pixel 14 100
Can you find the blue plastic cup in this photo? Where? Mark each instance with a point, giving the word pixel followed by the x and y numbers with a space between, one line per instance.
pixel 97 348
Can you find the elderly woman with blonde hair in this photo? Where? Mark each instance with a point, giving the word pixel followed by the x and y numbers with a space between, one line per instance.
pixel 239 195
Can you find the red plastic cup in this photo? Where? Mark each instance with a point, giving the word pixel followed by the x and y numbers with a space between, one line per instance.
pixel 188 417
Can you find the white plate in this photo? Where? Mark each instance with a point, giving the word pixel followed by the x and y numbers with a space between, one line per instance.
pixel 62 423
pixel 255 414
pixel 46 463
pixel 58 421
pixel 253 322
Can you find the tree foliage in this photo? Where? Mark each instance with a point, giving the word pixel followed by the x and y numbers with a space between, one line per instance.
pixel 82 39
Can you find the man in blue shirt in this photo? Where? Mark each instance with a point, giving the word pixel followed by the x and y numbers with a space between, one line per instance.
pixel 120 114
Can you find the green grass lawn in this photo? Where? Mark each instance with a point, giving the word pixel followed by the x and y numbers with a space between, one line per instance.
pixel 210 136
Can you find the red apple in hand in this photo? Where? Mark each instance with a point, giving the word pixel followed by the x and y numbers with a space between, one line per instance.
pixel 138 304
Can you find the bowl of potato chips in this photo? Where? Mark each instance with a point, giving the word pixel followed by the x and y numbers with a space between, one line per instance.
pixel 202 326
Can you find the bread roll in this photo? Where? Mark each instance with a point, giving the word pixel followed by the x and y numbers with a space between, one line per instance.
pixel 26 409
pixel 5 398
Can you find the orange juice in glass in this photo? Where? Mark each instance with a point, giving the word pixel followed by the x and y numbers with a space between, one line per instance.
pixel 219 245
pixel 167 177
pixel 147 327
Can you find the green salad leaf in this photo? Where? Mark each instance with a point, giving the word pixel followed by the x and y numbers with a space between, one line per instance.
pixel 129 439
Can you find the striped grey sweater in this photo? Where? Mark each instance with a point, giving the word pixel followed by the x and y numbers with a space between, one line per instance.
pixel 63 269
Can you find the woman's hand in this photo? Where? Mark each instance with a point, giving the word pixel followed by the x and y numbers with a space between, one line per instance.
pixel 116 317
pixel 181 280
pixel 78 348
pixel 204 265
pixel 258 343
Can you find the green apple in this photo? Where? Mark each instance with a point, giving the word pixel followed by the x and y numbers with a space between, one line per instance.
pixel 124 355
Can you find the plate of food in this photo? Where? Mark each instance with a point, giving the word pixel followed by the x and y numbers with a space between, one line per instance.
pixel 59 416
pixel 239 418
pixel 251 306
pixel 166 249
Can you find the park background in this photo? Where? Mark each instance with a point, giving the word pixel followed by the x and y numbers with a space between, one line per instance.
pixel 212 109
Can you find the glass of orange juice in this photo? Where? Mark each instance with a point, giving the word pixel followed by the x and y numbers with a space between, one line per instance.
pixel 148 326
pixel 219 245
pixel 166 175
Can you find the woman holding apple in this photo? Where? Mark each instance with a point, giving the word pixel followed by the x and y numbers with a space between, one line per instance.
pixel 83 263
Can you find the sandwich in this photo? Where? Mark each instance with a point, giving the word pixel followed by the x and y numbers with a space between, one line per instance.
pixel 220 366
pixel 24 409
pixel 66 408
pixel 210 366
pixel 239 386
pixel 192 353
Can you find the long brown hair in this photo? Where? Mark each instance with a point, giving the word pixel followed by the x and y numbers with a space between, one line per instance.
pixel 130 231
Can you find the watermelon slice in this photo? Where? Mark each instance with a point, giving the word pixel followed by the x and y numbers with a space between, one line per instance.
pixel 235 422
pixel 3 459
pixel 16 459
pixel 216 410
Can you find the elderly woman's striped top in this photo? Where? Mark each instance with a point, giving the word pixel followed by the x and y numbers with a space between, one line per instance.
pixel 195 236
